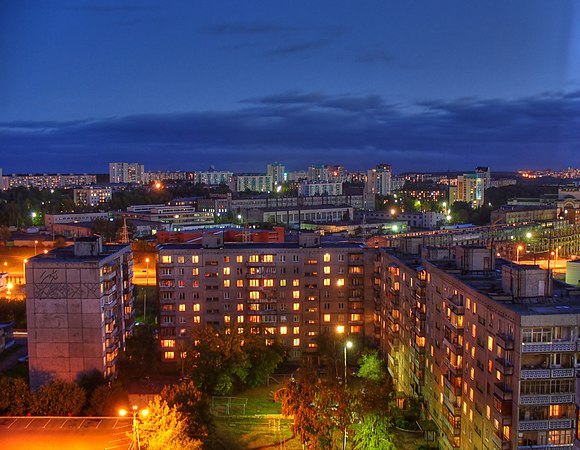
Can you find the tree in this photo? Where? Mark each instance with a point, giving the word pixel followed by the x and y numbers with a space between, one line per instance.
pixel 141 354
pixel 190 401
pixel 106 400
pixel 220 360
pixel 5 234
pixel 59 398
pixel 373 433
pixel 16 398
pixel 321 409
pixel 371 367
pixel 164 427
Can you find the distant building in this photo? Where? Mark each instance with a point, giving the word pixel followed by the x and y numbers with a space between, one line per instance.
pixel 321 188
pixel 52 219
pixel 471 187
pixel 213 177
pixel 47 181
pixel 569 204
pixel 509 214
pixel 92 196
pixel 252 182
pixel 295 216
pixel 379 180
pixel 79 309
pixel 125 173
pixel 177 218
pixel 152 177
pixel 276 173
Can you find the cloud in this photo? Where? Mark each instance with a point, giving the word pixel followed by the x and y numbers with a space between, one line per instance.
pixel 298 47
pixel 301 128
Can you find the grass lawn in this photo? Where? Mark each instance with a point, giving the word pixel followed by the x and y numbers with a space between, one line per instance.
pixel 262 426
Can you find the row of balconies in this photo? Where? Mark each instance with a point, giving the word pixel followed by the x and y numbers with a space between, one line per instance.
pixel 536 425
pixel 547 399
pixel 550 347
pixel 537 373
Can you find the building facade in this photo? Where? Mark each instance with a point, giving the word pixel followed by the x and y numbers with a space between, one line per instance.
pixel 92 196
pixel 47 181
pixel 79 310
pixel 296 290
pixel 125 173
pixel 490 349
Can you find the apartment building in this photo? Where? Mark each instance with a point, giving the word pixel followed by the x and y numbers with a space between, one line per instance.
pixel 79 308
pixel 92 196
pixel 297 290
pixel 500 344
pixel 122 172
pixel 46 181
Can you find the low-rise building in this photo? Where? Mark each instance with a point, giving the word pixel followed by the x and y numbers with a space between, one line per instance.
pixel 92 196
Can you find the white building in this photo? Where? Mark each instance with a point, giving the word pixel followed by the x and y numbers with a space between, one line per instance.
pixel 252 182
pixel 126 172
pixel 276 172
pixel 471 187
pixel 379 180
pixel 213 178
pixel 312 189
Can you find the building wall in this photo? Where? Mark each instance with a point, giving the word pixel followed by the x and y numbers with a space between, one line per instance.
pixel 79 312
pixel 283 287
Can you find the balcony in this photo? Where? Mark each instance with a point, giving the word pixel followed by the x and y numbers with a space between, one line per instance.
pixel 547 399
pixel 548 347
pixel 453 344
pixel 504 366
pixel 504 341
pixel 537 372
pixel 500 441
pixel 503 391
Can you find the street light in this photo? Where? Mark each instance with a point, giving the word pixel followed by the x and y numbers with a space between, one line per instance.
pixel 35 244
pixel 347 345
pixel 135 410
pixel 518 250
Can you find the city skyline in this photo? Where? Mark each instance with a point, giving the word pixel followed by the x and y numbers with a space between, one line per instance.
pixel 423 87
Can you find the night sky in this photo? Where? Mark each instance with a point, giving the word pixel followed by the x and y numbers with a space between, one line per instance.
pixel 182 85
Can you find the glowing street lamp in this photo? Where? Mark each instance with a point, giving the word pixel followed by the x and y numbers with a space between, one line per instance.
pixel 145 290
pixel 24 262
pixel 136 412
pixel 518 250
pixel 35 244
pixel 347 345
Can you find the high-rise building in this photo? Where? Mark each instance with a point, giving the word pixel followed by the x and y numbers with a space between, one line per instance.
pixel 379 180
pixel 79 309
pixel 276 173
pixel 123 172
pixel 489 349
pixel 471 187
pixel 296 290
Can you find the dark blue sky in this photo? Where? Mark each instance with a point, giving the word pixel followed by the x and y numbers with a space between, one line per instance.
pixel 423 85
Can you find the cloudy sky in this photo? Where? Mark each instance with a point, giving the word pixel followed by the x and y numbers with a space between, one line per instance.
pixel 183 84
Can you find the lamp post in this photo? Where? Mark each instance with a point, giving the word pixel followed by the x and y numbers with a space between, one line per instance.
pixel 519 248
pixel 347 345
pixel 135 410
pixel 35 244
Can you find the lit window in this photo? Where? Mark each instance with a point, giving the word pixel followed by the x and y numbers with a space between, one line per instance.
pixel 326 318
pixel 268 258
pixel 254 295
pixel 340 329
pixel 166 259
pixel 326 270
pixel 240 307
pixel 226 283
pixel 488 411
pixel 169 355
pixel 282 283
pixel 181 259
pixel 254 283
pixel 167 343
pixel 296 342
pixel 296 307
pixel 226 270
pixel 182 307
pixel 196 319
pixel 326 257
pixel 227 319
pixel 355 329
pixel 340 282
pixel 254 258
pixel 326 282
pixel 195 259
pixel 295 294
pixel 474 308
pixel 473 328
pixel 472 373
pixel 490 343
pixel 240 283
pixel 196 307
pixel 195 283
pixel 268 282
pixel 283 330
pixel 239 258
pixel 240 319
pixel 295 282
pixel 195 271
pixel 296 330
pixel 355 317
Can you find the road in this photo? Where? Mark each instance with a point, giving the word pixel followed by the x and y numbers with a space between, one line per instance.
pixel 62 433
